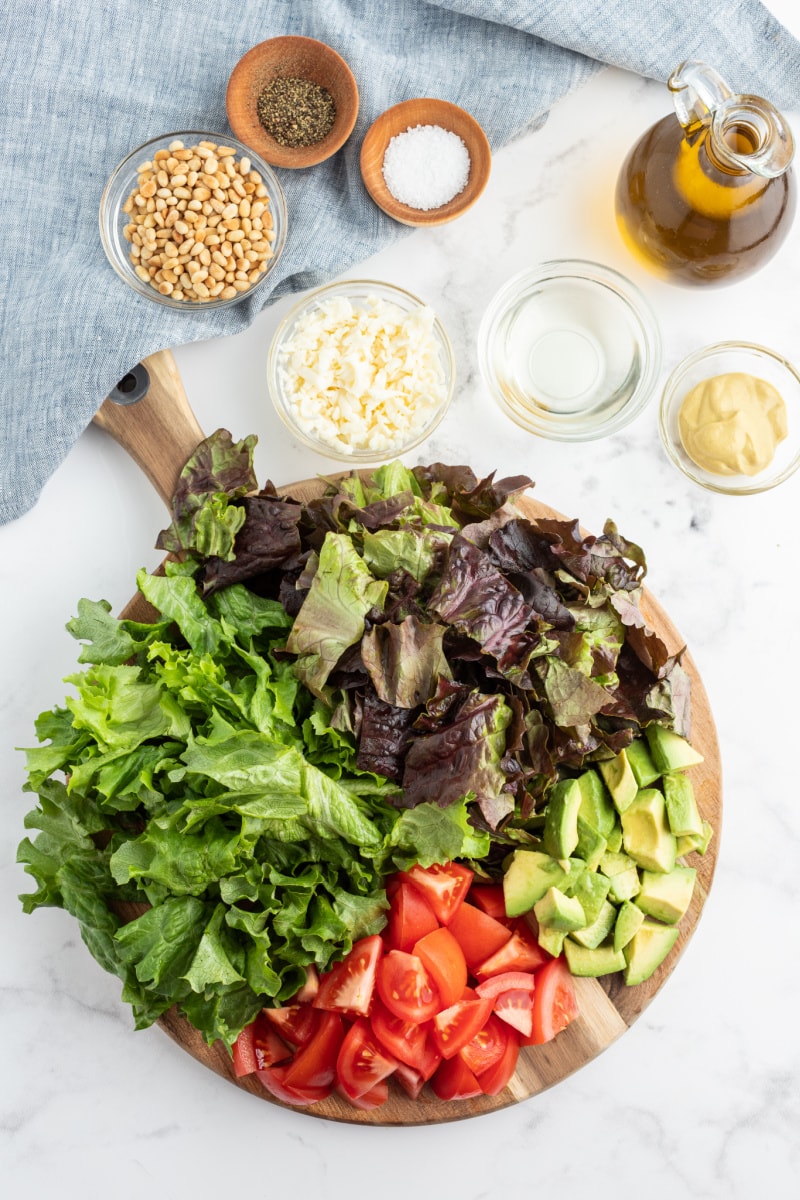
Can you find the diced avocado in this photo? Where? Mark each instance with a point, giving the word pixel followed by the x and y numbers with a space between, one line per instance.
pixel 596 806
pixel 593 961
pixel 670 751
pixel 646 835
pixel 641 763
pixel 591 889
pixel 682 813
pixel 614 839
pixel 591 844
pixel 623 877
pixel 529 875
pixel 666 897
pixel 551 940
pixel 700 842
pixel 557 911
pixel 629 918
pixel 647 949
pixel 560 835
pixel 619 779
pixel 600 928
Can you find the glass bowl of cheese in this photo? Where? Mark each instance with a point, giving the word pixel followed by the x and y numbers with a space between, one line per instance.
pixel 361 371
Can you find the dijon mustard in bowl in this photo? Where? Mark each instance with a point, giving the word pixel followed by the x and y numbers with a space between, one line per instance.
pixel 730 418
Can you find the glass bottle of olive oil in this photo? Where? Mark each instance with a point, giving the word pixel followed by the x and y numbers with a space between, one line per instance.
pixel 708 197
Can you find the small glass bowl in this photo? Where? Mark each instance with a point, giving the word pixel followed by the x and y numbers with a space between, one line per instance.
pixel 569 350
pixel 720 359
pixel 359 292
pixel 123 181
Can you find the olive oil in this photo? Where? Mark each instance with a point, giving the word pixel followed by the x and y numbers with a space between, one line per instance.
pixel 693 218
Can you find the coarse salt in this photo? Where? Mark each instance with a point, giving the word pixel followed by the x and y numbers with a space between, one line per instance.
pixel 426 166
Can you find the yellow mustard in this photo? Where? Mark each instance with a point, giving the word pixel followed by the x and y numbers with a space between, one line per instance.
pixel 731 424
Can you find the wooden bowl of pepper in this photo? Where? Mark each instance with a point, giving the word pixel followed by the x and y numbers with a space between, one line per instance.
pixel 293 100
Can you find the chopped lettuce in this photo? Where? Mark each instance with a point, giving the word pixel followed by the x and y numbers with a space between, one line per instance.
pixel 397 672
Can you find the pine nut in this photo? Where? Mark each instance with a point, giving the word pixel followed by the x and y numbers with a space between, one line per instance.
pixel 200 223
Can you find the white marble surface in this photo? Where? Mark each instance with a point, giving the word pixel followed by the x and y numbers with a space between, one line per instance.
pixel 701 1097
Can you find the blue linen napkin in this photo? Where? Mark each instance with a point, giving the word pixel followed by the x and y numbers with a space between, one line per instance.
pixel 86 82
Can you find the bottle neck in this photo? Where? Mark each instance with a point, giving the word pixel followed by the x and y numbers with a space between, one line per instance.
pixel 749 137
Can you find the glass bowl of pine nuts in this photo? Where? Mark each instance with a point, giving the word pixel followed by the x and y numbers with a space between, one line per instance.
pixel 193 220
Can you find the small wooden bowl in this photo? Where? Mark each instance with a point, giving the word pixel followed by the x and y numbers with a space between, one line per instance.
pixel 408 115
pixel 290 58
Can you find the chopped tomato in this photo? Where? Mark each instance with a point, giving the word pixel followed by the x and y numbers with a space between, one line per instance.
pixel 348 987
pixel 454 1081
pixel 405 1040
pixel 310 988
pixel 478 934
pixel 374 1098
pixel 487 1047
pixel 406 988
pixel 504 982
pixel 490 899
pixel 497 1077
pixel 274 1080
pixel 515 1007
pixel 244 1054
pixel 296 1023
pixel 457 1025
pixel 410 918
pixel 554 1002
pixel 444 886
pixel 362 1063
pixel 444 961
pixel 520 953
pixel 410 1079
pixel 314 1065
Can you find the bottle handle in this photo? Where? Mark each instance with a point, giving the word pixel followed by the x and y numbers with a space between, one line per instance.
pixel 697 92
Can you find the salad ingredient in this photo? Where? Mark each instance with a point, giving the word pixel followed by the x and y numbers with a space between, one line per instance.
pixel 426 166
pixel 296 112
pixel 348 986
pixel 244 787
pixel 199 223
pixel 362 375
pixel 405 987
pixel 554 1003
pixel 732 424
pixel 466 1038
pixel 591 906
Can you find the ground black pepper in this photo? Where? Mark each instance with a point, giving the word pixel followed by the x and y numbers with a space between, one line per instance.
pixel 296 112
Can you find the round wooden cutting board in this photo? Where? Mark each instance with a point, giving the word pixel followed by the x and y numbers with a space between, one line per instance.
pixel 607 1006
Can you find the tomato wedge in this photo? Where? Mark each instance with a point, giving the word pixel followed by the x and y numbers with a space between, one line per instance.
pixel 348 986
pixel 410 918
pixel 296 1023
pixel 411 1081
pixel 362 1063
pixel 495 984
pixel 274 1080
pixel 515 1007
pixel 444 961
pixel 457 1025
pixel 520 953
pixel 478 934
pixel 404 1040
pixel 406 988
pixel 314 1065
pixel 310 988
pixel 496 1078
pixel 444 886
pixel 374 1098
pixel 490 899
pixel 554 1002
pixel 454 1081
pixel 488 1046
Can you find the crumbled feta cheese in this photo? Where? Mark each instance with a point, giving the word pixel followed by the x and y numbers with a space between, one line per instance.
pixel 362 377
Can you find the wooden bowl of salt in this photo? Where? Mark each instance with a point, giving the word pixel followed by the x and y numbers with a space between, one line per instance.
pixel 425 161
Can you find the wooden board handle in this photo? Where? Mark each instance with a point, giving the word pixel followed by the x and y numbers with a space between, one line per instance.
pixel 159 431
